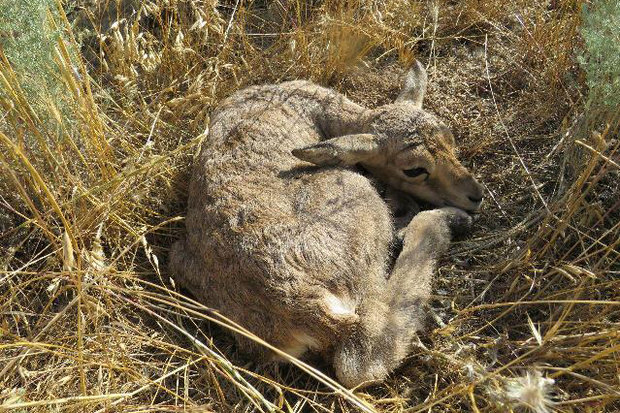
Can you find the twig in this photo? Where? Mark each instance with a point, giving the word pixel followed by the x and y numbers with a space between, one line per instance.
pixel 230 22
pixel 501 121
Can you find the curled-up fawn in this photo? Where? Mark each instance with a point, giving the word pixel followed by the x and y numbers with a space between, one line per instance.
pixel 287 238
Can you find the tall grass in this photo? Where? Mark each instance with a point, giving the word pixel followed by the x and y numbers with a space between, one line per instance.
pixel 97 138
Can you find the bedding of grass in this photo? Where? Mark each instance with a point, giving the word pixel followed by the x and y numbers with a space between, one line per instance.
pixel 104 103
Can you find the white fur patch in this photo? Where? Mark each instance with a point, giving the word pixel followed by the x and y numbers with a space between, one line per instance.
pixel 301 343
pixel 339 306
pixel 306 339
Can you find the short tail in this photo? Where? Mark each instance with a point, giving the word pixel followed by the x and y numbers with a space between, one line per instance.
pixel 184 266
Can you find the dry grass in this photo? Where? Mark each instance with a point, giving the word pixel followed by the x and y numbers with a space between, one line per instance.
pixel 93 185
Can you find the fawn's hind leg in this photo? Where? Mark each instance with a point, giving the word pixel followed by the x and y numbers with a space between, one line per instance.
pixel 391 313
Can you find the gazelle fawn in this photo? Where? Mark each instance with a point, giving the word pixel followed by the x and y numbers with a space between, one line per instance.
pixel 287 238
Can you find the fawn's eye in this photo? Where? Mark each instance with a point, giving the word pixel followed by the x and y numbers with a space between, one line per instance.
pixel 412 173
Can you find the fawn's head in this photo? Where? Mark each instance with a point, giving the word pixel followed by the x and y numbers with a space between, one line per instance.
pixel 405 147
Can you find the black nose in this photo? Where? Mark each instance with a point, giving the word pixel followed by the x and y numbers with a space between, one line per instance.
pixel 475 199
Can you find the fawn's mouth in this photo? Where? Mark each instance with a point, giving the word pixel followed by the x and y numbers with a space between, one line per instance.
pixel 470 211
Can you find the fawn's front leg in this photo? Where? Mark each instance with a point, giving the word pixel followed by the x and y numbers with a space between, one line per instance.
pixel 391 314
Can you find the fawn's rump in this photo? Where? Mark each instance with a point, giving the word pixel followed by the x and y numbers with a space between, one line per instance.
pixel 295 281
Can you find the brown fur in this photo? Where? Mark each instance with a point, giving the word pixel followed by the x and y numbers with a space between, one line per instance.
pixel 298 253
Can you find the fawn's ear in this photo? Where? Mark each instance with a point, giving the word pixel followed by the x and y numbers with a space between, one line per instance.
pixel 344 150
pixel 414 85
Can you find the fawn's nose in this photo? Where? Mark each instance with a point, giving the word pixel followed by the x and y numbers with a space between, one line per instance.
pixel 474 192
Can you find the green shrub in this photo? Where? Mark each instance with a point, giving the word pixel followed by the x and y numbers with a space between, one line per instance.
pixel 601 60
pixel 28 40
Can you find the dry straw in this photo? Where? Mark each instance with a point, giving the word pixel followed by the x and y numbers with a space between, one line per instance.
pixel 97 130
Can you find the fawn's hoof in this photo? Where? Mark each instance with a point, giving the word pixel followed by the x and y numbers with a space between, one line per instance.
pixel 459 221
